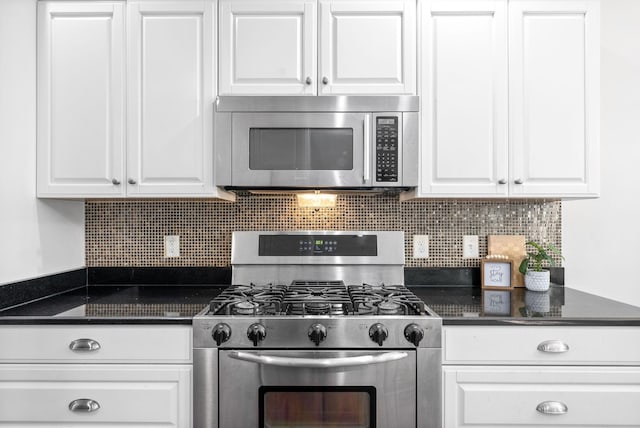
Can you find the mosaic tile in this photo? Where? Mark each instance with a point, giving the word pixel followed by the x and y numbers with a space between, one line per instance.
pixel 127 232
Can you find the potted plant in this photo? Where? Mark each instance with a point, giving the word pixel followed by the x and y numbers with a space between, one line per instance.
pixel 536 278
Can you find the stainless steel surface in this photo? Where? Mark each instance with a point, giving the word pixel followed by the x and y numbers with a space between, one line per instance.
pixel 366 150
pixel 84 345
pixel 131 181
pixel 502 181
pixel 518 181
pixel 325 80
pixel 394 381
pixel 553 346
pixel 429 387
pixel 84 405
pixel 552 408
pixel 325 103
pixel 317 363
pixel 286 332
pixel 205 388
pixel 115 182
pixel 308 80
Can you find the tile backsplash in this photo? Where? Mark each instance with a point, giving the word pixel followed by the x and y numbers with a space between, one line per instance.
pixel 129 232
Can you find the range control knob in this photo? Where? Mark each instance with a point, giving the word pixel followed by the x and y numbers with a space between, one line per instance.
pixel 414 334
pixel 221 333
pixel 256 333
pixel 378 333
pixel 317 333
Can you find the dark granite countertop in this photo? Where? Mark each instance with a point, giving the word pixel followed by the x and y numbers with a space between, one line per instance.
pixel 116 304
pixel 558 306
pixel 463 305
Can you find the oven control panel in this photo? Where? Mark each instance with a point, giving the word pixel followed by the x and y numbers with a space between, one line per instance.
pixel 387 149
pixel 318 245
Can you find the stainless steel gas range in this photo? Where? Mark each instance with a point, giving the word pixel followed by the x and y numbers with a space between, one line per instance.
pixel 319 331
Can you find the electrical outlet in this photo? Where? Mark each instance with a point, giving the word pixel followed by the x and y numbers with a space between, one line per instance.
pixel 172 245
pixel 420 246
pixel 470 247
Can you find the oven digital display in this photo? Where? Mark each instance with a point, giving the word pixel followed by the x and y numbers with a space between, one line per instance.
pixel 317 406
pixel 313 245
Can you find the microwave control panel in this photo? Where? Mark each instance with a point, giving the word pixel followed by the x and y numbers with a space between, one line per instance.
pixel 387 149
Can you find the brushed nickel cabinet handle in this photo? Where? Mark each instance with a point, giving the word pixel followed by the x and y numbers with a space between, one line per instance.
pixel 308 81
pixel 325 80
pixel 84 405
pixel 518 181
pixel 131 181
pixel 552 408
pixel 553 346
pixel 115 182
pixel 502 181
pixel 84 345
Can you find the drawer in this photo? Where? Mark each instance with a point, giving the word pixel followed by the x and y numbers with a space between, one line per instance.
pixel 115 344
pixel 131 395
pixel 519 345
pixel 508 396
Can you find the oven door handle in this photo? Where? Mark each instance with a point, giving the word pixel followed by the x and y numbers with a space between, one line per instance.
pixel 318 363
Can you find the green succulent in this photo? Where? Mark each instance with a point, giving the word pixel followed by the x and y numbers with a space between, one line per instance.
pixel 538 257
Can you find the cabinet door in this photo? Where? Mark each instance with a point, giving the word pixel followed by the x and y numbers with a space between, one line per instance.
pixel 80 99
pixel 268 47
pixel 367 47
pixel 496 396
pixel 554 97
pixel 170 98
pixel 464 149
pixel 41 395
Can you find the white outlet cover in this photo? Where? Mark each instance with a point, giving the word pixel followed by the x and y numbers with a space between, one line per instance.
pixel 420 246
pixel 470 247
pixel 172 246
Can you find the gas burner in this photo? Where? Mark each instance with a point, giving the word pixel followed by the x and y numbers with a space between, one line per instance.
pixel 385 300
pixel 245 307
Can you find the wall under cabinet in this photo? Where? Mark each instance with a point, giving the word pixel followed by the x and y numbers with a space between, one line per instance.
pixel 39 237
pixel 130 232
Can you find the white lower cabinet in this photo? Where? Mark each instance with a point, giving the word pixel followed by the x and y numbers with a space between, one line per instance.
pixel 94 395
pixel 541 376
pixel 494 396
pixel 104 376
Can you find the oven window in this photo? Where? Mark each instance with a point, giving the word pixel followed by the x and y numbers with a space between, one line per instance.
pixel 316 406
pixel 301 149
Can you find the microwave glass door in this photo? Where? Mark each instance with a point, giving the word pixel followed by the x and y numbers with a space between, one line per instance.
pixel 299 149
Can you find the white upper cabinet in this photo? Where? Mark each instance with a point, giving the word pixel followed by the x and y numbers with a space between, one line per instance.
pixel 170 98
pixel 554 62
pixel 268 47
pixel 309 47
pixel 510 98
pixel 367 47
pixel 464 98
pixel 81 96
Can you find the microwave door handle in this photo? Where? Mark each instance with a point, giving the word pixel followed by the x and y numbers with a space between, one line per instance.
pixel 366 149
pixel 318 363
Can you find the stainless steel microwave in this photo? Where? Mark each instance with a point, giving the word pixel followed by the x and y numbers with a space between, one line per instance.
pixel 322 142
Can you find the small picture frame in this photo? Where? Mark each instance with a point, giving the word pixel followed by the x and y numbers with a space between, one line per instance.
pixel 496 273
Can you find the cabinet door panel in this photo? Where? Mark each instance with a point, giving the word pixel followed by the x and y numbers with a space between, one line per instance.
pixel 80 99
pixel 170 98
pixel 508 396
pixel 464 98
pixel 367 47
pixel 128 395
pixel 554 86
pixel 267 47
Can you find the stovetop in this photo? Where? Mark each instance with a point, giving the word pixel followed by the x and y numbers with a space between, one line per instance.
pixel 303 298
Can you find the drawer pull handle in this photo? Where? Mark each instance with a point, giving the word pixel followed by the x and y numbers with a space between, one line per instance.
pixel 552 408
pixel 553 346
pixel 84 345
pixel 84 405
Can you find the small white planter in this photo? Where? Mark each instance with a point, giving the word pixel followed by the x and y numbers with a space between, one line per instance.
pixel 537 281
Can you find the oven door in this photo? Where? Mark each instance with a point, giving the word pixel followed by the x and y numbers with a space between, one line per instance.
pixel 352 389
pixel 300 150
